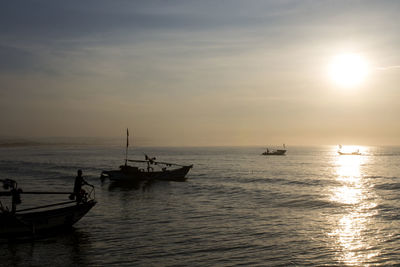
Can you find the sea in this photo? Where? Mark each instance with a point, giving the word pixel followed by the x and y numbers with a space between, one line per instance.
pixel 311 207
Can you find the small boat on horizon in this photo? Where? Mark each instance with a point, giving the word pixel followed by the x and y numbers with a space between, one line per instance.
pixel 352 153
pixel 349 153
pixel 40 220
pixel 276 152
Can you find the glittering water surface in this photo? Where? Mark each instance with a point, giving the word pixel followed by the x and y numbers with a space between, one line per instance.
pixel 310 207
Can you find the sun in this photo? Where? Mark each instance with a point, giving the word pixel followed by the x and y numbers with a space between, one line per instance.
pixel 348 70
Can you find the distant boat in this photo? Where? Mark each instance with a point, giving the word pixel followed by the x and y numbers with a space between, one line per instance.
pixel 349 153
pixel 45 219
pixel 277 152
pixel 353 153
pixel 148 171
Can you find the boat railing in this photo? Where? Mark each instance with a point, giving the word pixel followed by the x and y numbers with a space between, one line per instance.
pixel 88 194
pixel 47 206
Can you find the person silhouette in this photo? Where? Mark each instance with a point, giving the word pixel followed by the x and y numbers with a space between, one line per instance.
pixel 79 181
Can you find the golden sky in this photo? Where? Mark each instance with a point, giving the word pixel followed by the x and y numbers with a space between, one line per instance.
pixel 202 72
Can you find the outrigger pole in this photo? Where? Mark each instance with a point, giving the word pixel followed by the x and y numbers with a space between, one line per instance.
pixel 156 162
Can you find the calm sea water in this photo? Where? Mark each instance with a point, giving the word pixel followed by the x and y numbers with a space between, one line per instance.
pixel 310 207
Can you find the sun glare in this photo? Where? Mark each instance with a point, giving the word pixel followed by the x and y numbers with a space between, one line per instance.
pixel 348 70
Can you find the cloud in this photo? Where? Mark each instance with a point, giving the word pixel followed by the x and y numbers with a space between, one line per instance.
pixel 68 24
pixel 13 59
pixel 389 67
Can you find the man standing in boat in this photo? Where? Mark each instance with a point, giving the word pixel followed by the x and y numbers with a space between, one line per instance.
pixel 79 181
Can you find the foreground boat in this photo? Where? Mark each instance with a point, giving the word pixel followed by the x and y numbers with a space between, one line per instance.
pixel 128 173
pixel 277 152
pixel 40 220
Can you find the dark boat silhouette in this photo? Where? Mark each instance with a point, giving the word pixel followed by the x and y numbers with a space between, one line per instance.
pixel 40 220
pixel 151 170
pixel 277 152
pixel 128 173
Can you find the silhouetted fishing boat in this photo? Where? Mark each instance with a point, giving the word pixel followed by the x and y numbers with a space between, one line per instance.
pixel 353 153
pixel 277 152
pixel 128 173
pixel 40 220
pixel 151 170
pixel 349 153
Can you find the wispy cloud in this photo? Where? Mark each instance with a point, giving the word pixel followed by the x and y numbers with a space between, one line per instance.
pixel 389 67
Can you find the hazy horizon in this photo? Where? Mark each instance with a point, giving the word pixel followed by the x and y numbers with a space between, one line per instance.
pixel 201 73
pixel 8 141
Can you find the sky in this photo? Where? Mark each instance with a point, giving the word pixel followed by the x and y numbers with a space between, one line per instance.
pixel 199 73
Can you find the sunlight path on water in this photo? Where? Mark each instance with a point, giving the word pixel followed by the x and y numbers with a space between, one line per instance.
pixel 351 230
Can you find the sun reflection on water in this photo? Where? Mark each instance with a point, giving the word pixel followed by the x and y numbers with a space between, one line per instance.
pixel 356 196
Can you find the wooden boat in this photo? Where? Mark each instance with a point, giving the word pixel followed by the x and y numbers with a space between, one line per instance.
pixel 277 152
pixel 128 173
pixel 40 220
pixel 148 172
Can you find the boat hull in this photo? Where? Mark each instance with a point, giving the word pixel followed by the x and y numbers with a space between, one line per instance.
pixel 137 175
pixel 279 152
pixel 42 222
pixel 349 154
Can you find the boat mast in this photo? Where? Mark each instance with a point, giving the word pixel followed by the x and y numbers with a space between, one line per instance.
pixel 127 145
